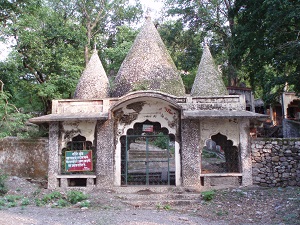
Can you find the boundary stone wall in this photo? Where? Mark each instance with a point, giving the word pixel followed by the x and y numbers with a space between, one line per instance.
pixel 276 162
pixel 24 157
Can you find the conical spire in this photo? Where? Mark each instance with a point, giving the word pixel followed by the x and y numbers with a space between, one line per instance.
pixel 93 82
pixel 208 81
pixel 148 66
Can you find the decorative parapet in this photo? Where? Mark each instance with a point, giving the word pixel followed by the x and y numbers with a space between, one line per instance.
pixel 227 102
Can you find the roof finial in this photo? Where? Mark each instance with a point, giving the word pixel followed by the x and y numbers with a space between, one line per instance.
pixel 205 42
pixel 148 11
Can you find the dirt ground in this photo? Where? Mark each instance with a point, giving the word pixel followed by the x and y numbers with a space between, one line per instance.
pixel 248 205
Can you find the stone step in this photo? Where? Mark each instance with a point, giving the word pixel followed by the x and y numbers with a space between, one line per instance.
pixel 172 196
pixel 159 204
pixel 149 199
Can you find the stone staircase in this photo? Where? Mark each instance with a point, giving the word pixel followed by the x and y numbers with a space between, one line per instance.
pixel 149 199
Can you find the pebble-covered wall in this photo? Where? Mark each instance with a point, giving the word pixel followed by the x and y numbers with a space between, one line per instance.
pixel 276 162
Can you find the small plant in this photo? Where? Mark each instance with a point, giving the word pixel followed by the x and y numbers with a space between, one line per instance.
pixel 159 206
pixel 25 202
pixel 85 204
pixel 2 202
pixel 11 204
pixel 208 195
pixel 62 203
pixel 12 198
pixel 52 196
pixel 3 188
pixel 76 196
pixel 38 202
pixel 167 207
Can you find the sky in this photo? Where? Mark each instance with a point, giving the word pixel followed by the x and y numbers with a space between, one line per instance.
pixel 154 7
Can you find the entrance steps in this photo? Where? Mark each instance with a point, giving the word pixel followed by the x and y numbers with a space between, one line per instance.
pixel 159 198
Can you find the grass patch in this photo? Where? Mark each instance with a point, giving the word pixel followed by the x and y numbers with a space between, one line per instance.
pixel 76 196
pixel 208 195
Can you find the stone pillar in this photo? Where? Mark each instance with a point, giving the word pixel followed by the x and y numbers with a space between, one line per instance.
pixel 53 160
pixel 191 158
pixel 105 154
pixel 245 152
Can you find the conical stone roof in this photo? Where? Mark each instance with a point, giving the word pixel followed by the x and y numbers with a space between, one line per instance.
pixel 148 66
pixel 93 82
pixel 208 81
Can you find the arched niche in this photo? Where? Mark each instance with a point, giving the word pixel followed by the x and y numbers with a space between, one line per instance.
pixel 219 155
pixel 293 110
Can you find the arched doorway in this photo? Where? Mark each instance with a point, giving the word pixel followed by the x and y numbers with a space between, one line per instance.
pixel 147 155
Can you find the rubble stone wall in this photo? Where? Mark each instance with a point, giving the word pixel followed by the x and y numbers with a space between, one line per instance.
pixel 276 162
pixel 291 128
pixel 24 157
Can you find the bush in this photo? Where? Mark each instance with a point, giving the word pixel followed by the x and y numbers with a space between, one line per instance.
pixel 208 195
pixel 52 196
pixel 3 188
pixel 76 196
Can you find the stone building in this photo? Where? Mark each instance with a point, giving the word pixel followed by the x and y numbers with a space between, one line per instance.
pixel 149 133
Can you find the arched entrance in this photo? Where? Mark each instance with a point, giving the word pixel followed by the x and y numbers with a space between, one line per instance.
pixel 147 140
pixel 147 155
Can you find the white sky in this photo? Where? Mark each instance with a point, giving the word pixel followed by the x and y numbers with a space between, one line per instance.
pixel 154 7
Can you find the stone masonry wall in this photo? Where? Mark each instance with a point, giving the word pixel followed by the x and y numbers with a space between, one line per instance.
pixel 276 162
pixel 24 157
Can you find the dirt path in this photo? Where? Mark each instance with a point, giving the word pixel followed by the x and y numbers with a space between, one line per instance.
pixel 251 205
pixel 54 216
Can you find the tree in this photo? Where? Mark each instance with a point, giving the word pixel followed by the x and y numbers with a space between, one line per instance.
pixel 52 42
pixel 267 44
pixel 116 53
pixel 215 18
pixel 184 46
pixel 96 15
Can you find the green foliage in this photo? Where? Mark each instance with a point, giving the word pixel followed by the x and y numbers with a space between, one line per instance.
pixel 213 20
pixel 53 40
pixel 85 204
pixel 76 196
pixel 12 198
pixel 116 53
pixel 25 202
pixel 62 203
pixel 55 195
pixel 3 187
pixel 53 199
pixel 38 202
pixel 167 207
pixel 12 120
pixel 267 48
pixel 162 141
pixel 208 195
